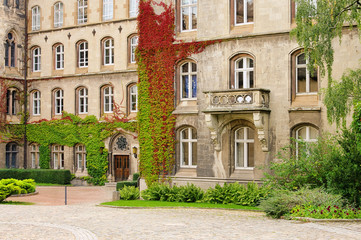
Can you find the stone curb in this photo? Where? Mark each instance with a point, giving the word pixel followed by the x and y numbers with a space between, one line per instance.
pixel 306 219
pixel 25 195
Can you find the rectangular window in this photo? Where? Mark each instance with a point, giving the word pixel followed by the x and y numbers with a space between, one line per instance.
pixel 82 11
pixel 243 11
pixel 35 23
pixel 36 103
pixel 59 57
pixel 107 10
pixel 58 14
pixel 59 102
pixel 109 52
pixel 36 60
pixel 133 46
pixel 83 54
pixel 134 98
pixel 133 8
pixel 108 100
pixel 188 15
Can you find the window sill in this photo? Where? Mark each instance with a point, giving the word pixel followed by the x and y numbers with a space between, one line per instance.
pixel 305 100
pixel 242 29
pixel 186 172
pixel 186 35
pixel 81 70
pixel 245 168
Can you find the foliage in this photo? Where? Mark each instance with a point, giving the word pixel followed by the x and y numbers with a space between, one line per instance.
pixel 12 186
pixel 136 176
pixel 121 185
pixel 44 157
pixel 281 202
pixel 237 194
pixel 325 212
pixel 39 175
pixel 156 57
pixel 129 193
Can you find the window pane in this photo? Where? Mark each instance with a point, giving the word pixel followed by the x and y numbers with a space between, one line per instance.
pixel 185 90
pixel 240 134
pixel 250 154
pixel 250 133
pixel 185 134
pixel 194 67
pixel 240 63
pixel 251 81
pixel 185 18
pixel 313 133
pixel 239 11
pixel 185 153
pixel 194 153
pixel 301 80
pixel 302 133
pixel 240 80
pixel 239 154
pixel 249 10
pixel 301 59
pixel 194 17
pixel 194 86
pixel 313 82
pixel 185 68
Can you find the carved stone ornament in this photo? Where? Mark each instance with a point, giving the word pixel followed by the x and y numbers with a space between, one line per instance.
pixel 122 143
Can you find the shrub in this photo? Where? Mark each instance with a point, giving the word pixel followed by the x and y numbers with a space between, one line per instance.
pixel 189 193
pixel 157 192
pixel 282 201
pixel 39 175
pixel 12 186
pixel 325 212
pixel 129 193
pixel 121 185
pixel 136 176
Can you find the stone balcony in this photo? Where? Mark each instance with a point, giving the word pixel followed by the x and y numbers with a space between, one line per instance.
pixel 237 100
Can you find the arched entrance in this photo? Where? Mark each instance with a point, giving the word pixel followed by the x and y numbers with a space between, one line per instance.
pixel 120 165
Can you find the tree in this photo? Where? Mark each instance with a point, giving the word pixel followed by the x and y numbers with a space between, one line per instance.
pixel 319 22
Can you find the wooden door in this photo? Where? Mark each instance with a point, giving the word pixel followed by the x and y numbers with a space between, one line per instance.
pixel 121 167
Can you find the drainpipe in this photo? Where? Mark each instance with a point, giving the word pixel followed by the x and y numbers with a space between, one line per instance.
pixel 26 85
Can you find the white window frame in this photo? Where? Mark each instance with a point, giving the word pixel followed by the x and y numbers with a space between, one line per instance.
pixel 245 142
pixel 192 4
pixel 80 153
pixel 35 18
pixel 189 142
pixel 58 14
pixel 190 75
pixel 58 101
pixel 133 93
pixel 107 10
pixel 300 66
pixel 108 52
pixel 108 100
pixel 83 97
pixel 36 103
pixel 82 11
pixel 36 59
pixel 83 50
pixel 133 8
pixel 133 46
pixel 59 57
pixel 246 70
pixel 308 138
pixel 245 13
pixel 58 157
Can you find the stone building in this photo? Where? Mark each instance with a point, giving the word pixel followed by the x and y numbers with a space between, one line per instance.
pixel 237 103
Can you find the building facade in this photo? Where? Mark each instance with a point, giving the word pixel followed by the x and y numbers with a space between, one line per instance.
pixel 237 103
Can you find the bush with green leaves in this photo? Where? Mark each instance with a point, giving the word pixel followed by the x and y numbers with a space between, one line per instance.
pixel 281 202
pixel 12 186
pixel 129 193
pixel 121 185
pixel 325 212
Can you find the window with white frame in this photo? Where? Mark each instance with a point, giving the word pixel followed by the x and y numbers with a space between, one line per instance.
pixel 36 103
pixel 108 46
pixel 188 14
pixel 305 135
pixel 133 98
pixel 188 84
pixel 188 147
pixel 59 101
pixel 35 18
pixel 243 11
pixel 133 46
pixel 83 100
pixel 244 73
pixel 34 155
pixel 107 10
pixel 80 154
pixel 82 11
pixel 36 59
pixel 10 50
pixel 306 81
pixel 108 99
pixel 58 14
pixel 58 157
pixel 244 148
pixel 59 57
pixel 133 8
pixel 83 54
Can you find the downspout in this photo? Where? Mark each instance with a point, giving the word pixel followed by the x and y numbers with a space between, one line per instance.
pixel 26 85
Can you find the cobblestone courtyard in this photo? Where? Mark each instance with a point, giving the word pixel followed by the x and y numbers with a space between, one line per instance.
pixel 87 221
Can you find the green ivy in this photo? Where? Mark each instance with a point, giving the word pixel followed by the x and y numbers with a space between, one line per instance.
pixel 44 158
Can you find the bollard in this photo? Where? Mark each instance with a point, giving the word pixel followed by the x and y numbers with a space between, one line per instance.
pixel 66 200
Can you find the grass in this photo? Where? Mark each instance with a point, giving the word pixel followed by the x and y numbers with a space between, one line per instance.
pixel 15 203
pixel 143 203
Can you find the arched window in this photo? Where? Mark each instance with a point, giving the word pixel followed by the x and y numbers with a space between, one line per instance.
pixel 306 81
pixel 11 155
pixel 108 99
pixel 35 17
pixel 243 73
pixel 36 55
pixel 132 46
pixel 58 14
pixel 306 134
pixel 244 148
pixel 58 157
pixel 11 101
pixel 107 10
pixel 83 100
pixel 58 101
pixel 34 155
pixel 36 102
pixel 82 11
pixel 80 157
pixel 59 56
pixel 83 54
pixel 108 51
pixel 188 147
pixel 188 75
pixel 10 47
pixel 133 98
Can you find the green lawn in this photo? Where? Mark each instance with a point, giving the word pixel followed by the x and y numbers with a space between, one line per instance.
pixel 143 203
pixel 15 203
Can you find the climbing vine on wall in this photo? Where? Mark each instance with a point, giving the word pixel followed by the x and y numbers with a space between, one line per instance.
pixel 157 55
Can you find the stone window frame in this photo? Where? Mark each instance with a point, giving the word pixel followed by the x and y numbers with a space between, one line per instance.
pixel 35 59
pixel 58 9
pixel 58 156
pixel 35 102
pixel 132 45
pixel 34 155
pixel 246 141
pixel 179 75
pixel 111 49
pixel 82 11
pixel 189 141
pixel 82 61
pixel 79 97
pixel 103 97
pixel 61 54
pixel 107 10
pixel 133 8
pixel 179 14
pixel 11 149
pixel 10 50
pixel 58 101
pixel 308 139
pixel 130 104
pixel 233 72
pixel 35 18
pixel 12 103
pixel 80 157
pixel 233 13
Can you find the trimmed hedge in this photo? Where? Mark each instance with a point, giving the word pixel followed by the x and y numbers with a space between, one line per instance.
pixel 60 176
pixel 12 186
pixel 136 176
pixel 121 185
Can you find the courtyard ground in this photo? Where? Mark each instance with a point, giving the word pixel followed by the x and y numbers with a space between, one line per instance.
pixel 82 219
